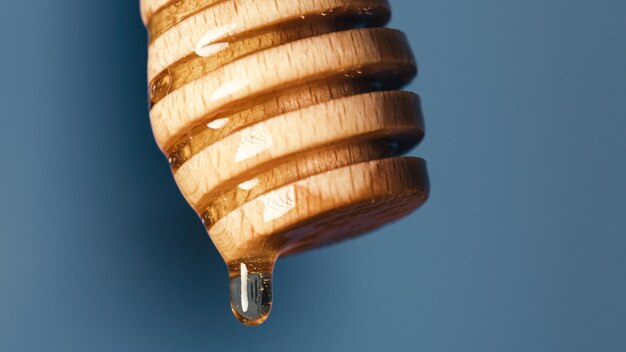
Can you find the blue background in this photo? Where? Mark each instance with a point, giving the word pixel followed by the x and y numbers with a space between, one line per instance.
pixel 520 248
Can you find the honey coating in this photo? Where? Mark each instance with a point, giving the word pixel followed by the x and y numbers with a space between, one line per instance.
pixel 284 126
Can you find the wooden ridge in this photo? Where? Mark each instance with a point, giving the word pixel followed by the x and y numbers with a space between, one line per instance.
pixel 270 69
pixel 238 157
pixel 230 18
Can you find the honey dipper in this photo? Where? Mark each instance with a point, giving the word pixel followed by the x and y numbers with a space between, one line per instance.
pixel 284 125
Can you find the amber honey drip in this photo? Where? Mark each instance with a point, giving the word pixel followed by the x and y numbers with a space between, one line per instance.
pixel 251 289
pixel 284 126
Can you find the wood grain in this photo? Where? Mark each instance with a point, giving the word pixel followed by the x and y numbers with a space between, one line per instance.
pixel 282 120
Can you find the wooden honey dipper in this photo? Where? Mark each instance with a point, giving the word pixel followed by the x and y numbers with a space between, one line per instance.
pixel 284 126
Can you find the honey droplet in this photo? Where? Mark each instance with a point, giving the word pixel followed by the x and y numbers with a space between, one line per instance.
pixel 251 294
pixel 160 87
